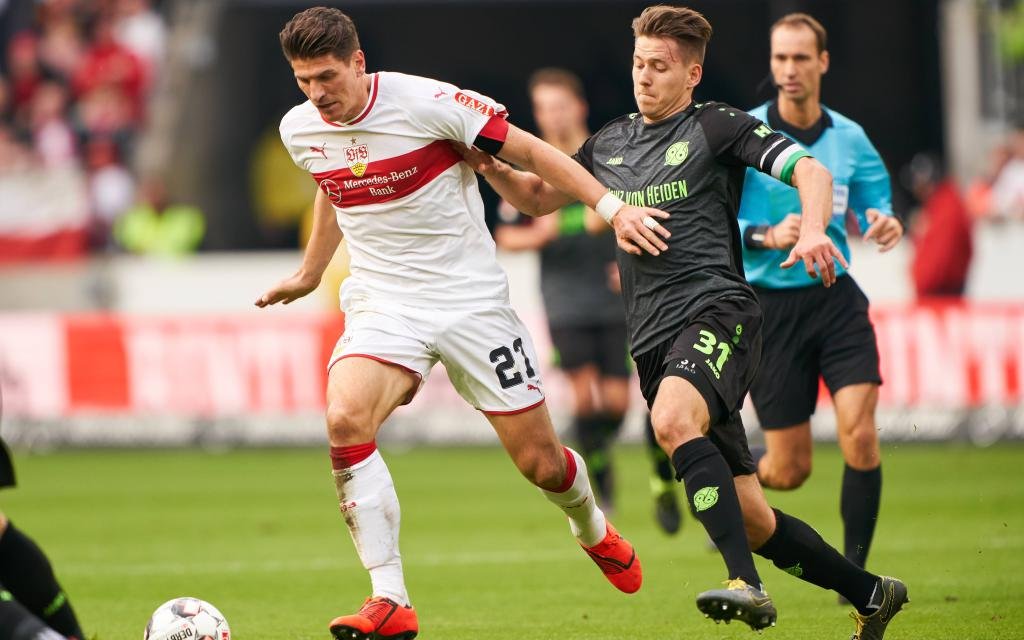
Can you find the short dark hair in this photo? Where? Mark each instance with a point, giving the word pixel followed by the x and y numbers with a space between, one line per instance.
pixel 805 20
pixel 688 27
pixel 559 78
pixel 319 31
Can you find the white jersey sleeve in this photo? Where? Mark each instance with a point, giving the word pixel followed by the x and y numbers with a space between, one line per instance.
pixel 290 124
pixel 450 113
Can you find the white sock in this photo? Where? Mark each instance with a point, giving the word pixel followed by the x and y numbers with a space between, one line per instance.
pixel 586 520
pixel 369 504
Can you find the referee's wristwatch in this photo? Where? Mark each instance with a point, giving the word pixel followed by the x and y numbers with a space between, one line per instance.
pixel 755 236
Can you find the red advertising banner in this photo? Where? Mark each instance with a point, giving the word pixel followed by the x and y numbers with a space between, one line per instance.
pixel 941 356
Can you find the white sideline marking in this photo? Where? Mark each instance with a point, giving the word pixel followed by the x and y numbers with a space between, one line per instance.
pixel 311 564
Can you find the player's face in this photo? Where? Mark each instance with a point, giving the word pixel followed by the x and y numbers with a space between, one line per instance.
pixel 557 111
pixel 663 78
pixel 796 65
pixel 336 87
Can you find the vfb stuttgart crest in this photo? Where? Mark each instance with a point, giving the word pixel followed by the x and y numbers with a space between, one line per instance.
pixel 357 156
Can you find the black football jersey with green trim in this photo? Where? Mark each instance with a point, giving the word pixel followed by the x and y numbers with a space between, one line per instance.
pixel 690 165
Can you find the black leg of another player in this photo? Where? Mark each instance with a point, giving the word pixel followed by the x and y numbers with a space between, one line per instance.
pixel 710 488
pixel 800 551
pixel 595 434
pixel 18 623
pixel 859 502
pixel 27 574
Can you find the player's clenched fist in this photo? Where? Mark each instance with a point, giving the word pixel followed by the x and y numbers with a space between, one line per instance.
pixel 288 290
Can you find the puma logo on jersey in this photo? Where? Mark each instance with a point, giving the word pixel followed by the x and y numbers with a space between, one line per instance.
pixel 322 150
pixel 473 104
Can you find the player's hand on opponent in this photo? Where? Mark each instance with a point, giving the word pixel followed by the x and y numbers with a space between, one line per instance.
pixel 785 234
pixel 288 290
pixel 818 253
pixel 637 230
pixel 885 230
pixel 480 161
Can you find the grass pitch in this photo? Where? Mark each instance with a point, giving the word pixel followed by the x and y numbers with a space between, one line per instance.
pixel 258 534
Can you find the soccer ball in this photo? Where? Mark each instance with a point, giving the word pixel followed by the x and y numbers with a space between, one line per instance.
pixel 187 619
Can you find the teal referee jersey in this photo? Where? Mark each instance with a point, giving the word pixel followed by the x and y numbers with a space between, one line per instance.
pixel 859 182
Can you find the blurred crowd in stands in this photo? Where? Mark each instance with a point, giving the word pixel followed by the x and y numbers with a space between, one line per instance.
pixel 76 77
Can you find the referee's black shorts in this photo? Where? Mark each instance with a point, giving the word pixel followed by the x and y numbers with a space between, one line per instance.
pixel 718 352
pixel 811 332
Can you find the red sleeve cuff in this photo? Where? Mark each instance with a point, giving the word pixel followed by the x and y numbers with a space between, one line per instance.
pixel 496 129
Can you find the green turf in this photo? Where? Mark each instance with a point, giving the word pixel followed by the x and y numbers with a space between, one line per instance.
pixel 258 534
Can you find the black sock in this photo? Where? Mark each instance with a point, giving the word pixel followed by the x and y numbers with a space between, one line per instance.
pixel 18 623
pixel 27 574
pixel 858 502
pixel 662 465
pixel 800 551
pixel 595 434
pixel 710 488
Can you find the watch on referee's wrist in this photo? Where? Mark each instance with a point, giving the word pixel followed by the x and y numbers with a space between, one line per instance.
pixel 756 237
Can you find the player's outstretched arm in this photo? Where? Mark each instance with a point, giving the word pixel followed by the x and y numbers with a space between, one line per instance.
pixel 525 191
pixel 814 248
pixel 323 242
pixel 636 228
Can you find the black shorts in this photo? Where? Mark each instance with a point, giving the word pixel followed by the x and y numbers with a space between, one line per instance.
pixel 603 345
pixel 718 352
pixel 811 332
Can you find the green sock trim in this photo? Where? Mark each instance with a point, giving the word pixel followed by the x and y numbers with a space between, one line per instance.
pixel 5 596
pixel 55 606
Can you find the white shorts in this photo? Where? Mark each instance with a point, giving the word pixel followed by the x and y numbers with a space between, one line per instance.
pixel 487 352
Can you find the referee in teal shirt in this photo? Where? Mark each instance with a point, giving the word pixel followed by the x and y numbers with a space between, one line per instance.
pixel 810 331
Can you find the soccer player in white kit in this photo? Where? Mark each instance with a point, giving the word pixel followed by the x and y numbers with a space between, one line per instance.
pixel 425 287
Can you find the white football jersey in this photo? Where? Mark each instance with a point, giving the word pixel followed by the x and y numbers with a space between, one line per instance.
pixel 409 208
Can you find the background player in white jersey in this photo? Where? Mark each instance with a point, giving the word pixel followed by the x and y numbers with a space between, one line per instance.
pixel 425 287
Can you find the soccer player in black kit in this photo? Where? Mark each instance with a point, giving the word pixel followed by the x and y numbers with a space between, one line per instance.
pixel 32 604
pixel 694 321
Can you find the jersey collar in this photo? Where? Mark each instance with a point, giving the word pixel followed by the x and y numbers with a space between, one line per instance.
pixel 366 110
pixel 806 137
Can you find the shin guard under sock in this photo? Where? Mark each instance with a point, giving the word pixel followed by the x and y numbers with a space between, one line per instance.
pixel 711 490
pixel 859 502
pixel 800 551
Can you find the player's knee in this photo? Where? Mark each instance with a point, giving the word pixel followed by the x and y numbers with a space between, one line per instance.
pixel 348 423
pixel 863 441
pixel 544 471
pixel 789 476
pixel 672 429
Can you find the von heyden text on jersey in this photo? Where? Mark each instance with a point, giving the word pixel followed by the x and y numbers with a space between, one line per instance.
pixel 654 194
